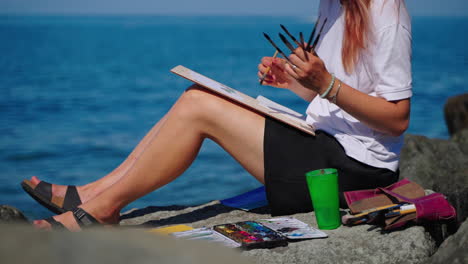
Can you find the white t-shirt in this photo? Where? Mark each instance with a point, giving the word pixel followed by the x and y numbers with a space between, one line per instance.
pixel 383 70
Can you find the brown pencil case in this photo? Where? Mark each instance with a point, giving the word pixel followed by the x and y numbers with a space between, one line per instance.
pixel 431 207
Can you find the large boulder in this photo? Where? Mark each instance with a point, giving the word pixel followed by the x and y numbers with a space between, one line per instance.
pixel 23 244
pixel 453 250
pixel 456 113
pixel 10 214
pixel 439 165
pixel 358 244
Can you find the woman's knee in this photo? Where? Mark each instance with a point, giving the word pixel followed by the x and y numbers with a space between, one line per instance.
pixel 196 103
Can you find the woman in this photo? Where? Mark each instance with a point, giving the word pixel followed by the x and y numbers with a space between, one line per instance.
pixel 360 111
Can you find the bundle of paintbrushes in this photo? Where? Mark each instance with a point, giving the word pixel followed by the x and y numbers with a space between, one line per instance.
pixel 373 215
pixel 306 47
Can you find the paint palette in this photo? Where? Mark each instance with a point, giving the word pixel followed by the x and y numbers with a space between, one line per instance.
pixel 251 234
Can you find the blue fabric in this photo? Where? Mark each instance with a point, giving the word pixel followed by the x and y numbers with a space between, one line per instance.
pixel 249 200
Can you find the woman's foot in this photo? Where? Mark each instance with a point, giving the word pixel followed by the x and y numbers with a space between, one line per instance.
pixel 66 219
pixel 61 190
pixel 57 198
pixel 76 220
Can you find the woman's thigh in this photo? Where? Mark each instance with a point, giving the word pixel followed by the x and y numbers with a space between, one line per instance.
pixel 237 129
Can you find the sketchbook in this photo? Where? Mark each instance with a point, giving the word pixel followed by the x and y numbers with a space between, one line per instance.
pixel 260 104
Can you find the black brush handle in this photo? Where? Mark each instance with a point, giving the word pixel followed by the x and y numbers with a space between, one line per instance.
pixel 286 42
pixel 318 36
pixel 312 34
pixel 276 47
pixel 289 34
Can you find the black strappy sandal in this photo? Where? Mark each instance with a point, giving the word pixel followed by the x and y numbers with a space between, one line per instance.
pixel 56 225
pixel 42 193
pixel 82 218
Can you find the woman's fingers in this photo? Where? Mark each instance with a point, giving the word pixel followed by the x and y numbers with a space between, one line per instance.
pixel 305 67
pixel 267 61
pixel 302 54
pixel 291 70
pixel 276 72
pixel 309 73
pixel 262 69
pixel 264 73
pixel 297 61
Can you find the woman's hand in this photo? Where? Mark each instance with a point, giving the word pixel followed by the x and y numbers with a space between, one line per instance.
pixel 277 75
pixel 309 71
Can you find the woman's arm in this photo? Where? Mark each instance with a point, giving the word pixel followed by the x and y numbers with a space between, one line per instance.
pixel 391 117
pixel 302 92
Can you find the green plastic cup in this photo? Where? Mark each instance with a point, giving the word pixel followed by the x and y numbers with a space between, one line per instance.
pixel 323 188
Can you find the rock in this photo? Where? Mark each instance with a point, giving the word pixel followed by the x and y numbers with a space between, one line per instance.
pixel 456 113
pixel 10 214
pixel 358 244
pixel 453 250
pixel 23 244
pixel 440 165
pixel 461 138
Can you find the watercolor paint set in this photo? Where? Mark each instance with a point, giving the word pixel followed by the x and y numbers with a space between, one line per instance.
pixel 263 233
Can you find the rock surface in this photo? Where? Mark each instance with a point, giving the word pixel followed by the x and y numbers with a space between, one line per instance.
pixel 453 250
pixel 439 165
pixel 22 244
pixel 456 113
pixel 10 214
pixel 359 244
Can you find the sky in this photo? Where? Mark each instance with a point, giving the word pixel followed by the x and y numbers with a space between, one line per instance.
pixel 209 7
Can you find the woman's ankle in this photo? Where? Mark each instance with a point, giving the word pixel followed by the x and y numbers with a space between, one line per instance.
pixel 87 192
pixel 105 213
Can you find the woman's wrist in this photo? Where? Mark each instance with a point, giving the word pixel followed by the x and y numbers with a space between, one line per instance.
pixel 332 96
pixel 301 91
pixel 327 85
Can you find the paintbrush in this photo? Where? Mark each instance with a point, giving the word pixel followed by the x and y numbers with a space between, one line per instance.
pixel 318 36
pixel 369 213
pixel 286 42
pixel 268 68
pixel 312 34
pixel 403 210
pixel 277 48
pixel 301 37
pixel 289 34
pixel 295 40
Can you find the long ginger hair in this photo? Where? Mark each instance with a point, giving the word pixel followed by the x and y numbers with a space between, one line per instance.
pixel 357 31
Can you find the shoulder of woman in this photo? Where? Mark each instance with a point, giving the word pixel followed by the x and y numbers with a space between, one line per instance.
pixel 386 13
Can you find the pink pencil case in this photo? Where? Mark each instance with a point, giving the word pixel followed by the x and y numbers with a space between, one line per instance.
pixel 433 207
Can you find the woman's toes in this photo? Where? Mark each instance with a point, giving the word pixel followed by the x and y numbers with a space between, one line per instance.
pixel 66 220
pixel 57 190
pixel 35 180
pixel 41 224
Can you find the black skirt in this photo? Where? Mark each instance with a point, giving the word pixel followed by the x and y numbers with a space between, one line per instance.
pixel 289 154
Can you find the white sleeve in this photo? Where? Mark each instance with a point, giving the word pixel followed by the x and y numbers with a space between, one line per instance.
pixel 392 63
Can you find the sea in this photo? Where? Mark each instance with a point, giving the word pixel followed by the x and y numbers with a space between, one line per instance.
pixel 79 92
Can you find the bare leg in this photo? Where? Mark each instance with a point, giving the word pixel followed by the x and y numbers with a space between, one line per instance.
pixel 88 191
pixel 197 115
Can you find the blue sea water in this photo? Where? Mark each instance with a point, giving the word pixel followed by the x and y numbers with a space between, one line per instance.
pixel 79 92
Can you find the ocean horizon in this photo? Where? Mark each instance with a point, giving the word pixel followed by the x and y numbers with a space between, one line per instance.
pixel 79 92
